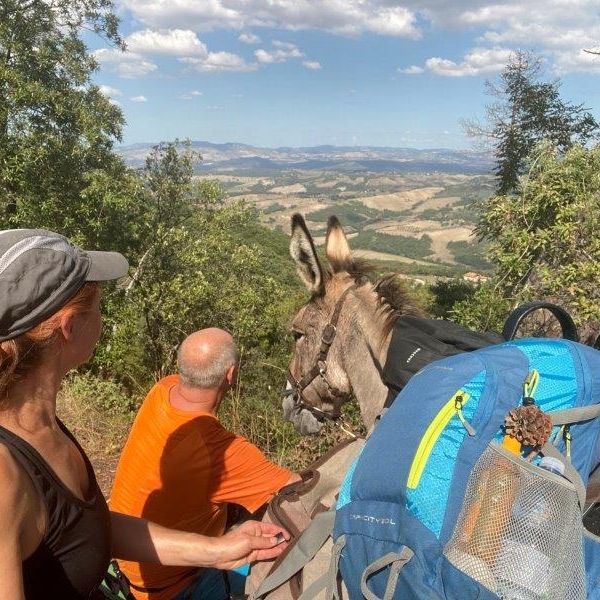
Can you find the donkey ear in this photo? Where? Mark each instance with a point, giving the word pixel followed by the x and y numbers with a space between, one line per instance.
pixel 302 250
pixel 336 245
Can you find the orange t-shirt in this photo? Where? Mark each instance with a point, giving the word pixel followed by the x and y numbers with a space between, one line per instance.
pixel 180 469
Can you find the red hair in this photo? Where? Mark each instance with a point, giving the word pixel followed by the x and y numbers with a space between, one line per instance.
pixel 19 355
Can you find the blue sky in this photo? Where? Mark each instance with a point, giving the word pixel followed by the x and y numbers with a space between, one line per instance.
pixel 342 72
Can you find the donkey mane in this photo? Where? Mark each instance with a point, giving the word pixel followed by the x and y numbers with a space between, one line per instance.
pixel 394 297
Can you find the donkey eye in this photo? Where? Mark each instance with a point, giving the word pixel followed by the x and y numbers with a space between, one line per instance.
pixel 297 334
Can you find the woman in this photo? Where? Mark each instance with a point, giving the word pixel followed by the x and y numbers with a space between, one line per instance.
pixel 57 534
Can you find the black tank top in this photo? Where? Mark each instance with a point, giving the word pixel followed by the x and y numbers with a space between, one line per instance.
pixel 73 557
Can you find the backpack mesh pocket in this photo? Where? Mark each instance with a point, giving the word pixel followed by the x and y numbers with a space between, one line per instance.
pixel 519 532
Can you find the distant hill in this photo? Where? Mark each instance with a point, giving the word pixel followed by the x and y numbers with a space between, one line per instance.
pixel 232 157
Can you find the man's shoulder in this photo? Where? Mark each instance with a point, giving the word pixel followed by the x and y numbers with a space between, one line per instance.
pixel 166 382
pixel 160 390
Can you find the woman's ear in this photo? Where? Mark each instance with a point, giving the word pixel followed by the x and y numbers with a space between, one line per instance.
pixel 67 325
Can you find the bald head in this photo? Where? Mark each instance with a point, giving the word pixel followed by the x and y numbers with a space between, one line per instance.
pixel 205 357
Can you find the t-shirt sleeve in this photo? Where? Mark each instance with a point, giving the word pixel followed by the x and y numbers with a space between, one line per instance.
pixel 246 477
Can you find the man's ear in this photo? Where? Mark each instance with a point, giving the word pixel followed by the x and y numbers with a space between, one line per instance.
pixel 231 375
pixel 302 250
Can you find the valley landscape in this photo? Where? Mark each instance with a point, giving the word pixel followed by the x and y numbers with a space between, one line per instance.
pixel 415 209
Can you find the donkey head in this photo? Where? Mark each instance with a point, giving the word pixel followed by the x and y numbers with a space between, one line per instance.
pixel 340 333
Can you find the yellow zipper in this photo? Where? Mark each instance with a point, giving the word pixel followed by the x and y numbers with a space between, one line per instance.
pixel 451 408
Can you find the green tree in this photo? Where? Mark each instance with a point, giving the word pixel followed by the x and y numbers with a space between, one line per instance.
pixel 199 265
pixel 446 293
pixel 196 260
pixel 527 111
pixel 56 128
pixel 544 242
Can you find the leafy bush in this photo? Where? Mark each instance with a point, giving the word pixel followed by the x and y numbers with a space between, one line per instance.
pixel 544 241
pixel 468 254
pixel 446 293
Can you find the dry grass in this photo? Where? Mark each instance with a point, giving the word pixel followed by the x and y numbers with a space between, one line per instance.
pixel 100 417
pixel 100 430
pixel 295 188
pixel 400 200
pixel 373 255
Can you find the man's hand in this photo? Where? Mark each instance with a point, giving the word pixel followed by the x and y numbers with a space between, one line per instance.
pixel 248 543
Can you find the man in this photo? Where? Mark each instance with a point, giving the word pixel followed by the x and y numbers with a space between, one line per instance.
pixel 181 468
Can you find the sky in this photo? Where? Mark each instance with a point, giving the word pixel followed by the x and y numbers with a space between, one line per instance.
pixel 342 72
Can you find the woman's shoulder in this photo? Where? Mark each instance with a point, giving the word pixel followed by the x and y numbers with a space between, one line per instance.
pixel 17 496
pixel 21 508
pixel 15 482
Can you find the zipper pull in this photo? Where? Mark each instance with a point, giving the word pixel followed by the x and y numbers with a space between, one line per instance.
pixel 458 405
pixel 530 386
pixel 567 437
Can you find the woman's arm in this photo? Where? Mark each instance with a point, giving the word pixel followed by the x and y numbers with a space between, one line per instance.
pixel 14 506
pixel 143 541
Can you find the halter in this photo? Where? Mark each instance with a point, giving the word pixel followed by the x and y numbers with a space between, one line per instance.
pixel 320 368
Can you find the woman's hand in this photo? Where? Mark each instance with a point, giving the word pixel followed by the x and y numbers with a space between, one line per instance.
pixel 248 543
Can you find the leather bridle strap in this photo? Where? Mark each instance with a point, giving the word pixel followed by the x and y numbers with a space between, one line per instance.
pixel 320 367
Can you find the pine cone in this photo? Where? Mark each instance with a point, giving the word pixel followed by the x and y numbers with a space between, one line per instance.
pixel 529 425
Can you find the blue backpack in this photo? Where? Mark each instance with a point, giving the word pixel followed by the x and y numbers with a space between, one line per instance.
pixel 434 507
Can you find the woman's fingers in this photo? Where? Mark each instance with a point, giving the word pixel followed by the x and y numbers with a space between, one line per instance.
pixel 266 530
pixel 253 541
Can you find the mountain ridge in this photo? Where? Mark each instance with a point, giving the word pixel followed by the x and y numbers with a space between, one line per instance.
pixel 234 156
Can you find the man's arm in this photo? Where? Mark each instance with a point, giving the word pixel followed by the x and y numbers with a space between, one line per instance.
pixel 293 478
pixel 140 540
pixel 245 476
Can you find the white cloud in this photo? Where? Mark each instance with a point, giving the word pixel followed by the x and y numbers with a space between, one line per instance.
pixel 578 61
pixel 110 92
pixel 181 43
pixel 139 99
pixel 283 52
pixel 191 95
pixel 128 65
pixel 284 45
pixel 347 17
pixel 218 61
pixel 313 65
pixel 412 70
pixel 174 42
pixel 249 38
pixel 558 29
pixel 479 61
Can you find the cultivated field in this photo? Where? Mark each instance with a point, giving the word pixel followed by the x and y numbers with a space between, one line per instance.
pixel 422 219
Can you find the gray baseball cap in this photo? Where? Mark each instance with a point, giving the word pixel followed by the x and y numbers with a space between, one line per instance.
pixel 40 271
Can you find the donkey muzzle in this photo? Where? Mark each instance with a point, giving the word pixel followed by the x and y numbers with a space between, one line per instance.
pixel 304 421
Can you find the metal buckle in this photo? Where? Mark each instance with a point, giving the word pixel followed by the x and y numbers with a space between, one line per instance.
pixel 328 334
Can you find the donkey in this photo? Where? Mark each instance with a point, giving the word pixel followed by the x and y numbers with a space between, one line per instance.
pixel 342 338
pixel 343 333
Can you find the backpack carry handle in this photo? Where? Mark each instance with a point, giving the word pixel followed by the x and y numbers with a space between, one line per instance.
pixel 516 317
pixel 393 560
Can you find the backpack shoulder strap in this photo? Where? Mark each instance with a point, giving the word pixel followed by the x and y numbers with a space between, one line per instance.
pixel 514 320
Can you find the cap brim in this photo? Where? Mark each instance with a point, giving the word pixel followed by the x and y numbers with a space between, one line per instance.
pixel 106 266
